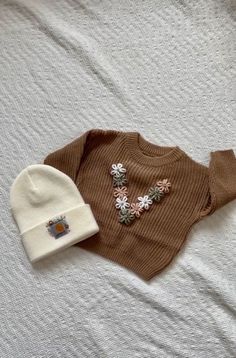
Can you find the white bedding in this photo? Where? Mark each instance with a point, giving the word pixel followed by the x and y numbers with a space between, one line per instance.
pixel 165 69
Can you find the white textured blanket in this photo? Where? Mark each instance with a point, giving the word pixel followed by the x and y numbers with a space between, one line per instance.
pixel 165 69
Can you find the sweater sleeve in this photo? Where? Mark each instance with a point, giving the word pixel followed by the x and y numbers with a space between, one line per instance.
pixel 68 158
pixel 222 180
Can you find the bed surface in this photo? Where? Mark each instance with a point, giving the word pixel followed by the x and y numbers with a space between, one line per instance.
pixel 165 69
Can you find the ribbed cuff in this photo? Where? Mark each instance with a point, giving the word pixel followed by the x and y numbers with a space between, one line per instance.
pixel 60 232
pixel 223 176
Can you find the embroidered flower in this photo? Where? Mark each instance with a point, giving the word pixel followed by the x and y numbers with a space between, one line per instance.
pixel 128 212
pixel 122 203
pixel 117 169
pixel 164 185
pixel 121 192
pixel 136 209
pixel 119 180
pixel 125 216
pixel 155 193
pixel 144 202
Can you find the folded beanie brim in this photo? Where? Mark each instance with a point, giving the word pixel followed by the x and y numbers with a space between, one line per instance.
pixel 60 232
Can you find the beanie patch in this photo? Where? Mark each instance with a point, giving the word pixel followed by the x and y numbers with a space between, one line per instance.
pixel 58 227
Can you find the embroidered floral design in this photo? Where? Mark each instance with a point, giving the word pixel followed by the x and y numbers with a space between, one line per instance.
pixel 125 216
pixel 121 192
pixel 58 227
pixel 128 212
pixel 119 180
pixel 136 209
pixel 144 202
pixel 155 193
pixel 117 169
pixel 121 203
pixel 164 185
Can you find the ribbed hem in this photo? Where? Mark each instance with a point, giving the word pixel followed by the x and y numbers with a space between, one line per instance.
pixel 148 153
pixel 141 268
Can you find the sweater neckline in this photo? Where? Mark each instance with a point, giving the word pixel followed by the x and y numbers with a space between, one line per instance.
pixel 147 153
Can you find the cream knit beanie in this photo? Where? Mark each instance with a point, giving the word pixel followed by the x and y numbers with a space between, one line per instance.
pixel 49 210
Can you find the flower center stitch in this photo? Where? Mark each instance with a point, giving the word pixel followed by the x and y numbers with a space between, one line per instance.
pixel 59 227
pixel 128 212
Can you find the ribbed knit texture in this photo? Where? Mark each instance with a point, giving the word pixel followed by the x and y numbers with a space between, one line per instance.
pixel 149 244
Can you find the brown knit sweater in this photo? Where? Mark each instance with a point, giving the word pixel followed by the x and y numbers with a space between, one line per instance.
pixel 149 243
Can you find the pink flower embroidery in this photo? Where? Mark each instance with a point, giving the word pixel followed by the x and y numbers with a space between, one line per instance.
pixel 136 209
pixel 120 192
pixel 164 185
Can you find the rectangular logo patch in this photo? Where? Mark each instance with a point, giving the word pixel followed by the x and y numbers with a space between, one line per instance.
pixel 58 227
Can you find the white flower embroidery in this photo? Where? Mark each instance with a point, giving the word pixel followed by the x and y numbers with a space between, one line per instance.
pixel 144 202
pixel 121 203
pixel 117 169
